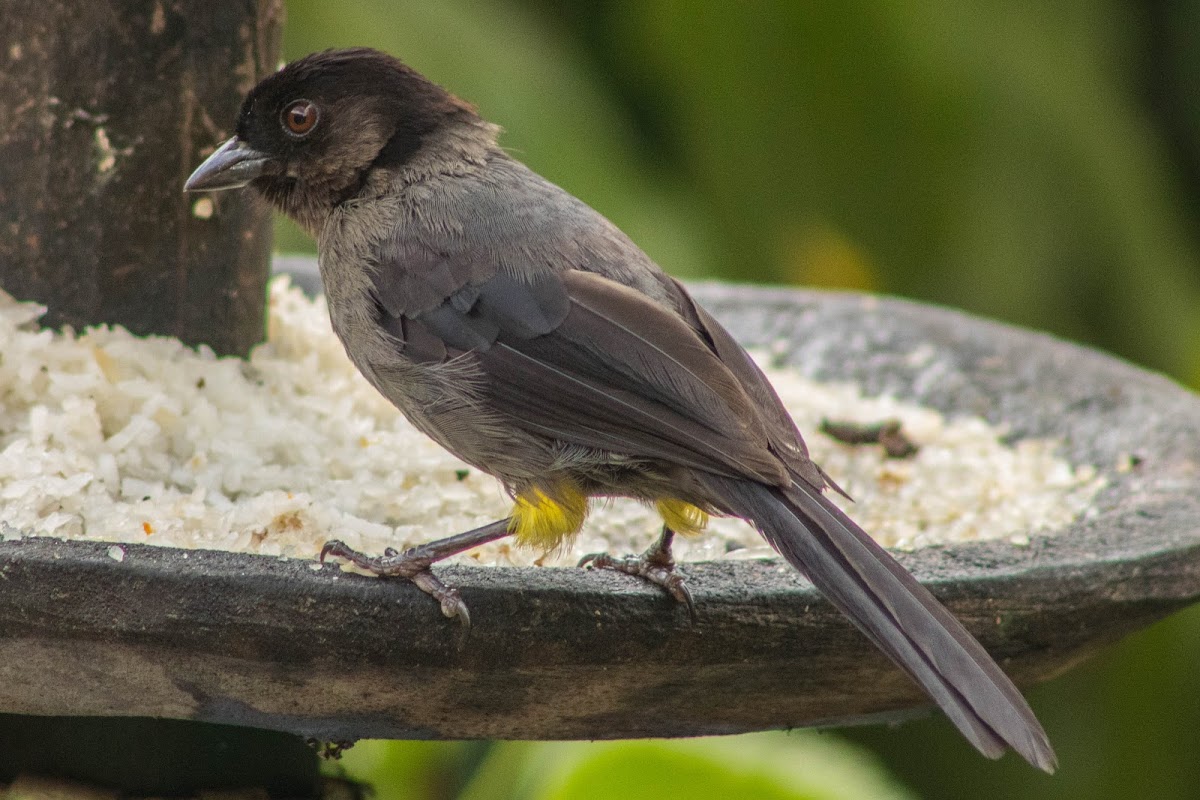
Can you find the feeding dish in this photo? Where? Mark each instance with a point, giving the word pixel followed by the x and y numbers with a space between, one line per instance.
pixel 560 653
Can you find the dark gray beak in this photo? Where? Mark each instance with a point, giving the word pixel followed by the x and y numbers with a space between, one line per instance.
pixel 233 165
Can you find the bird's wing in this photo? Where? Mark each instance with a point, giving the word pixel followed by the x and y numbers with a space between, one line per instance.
pixel 584 360
pixel 785 439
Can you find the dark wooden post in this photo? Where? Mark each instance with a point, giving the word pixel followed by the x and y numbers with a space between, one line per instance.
pixel 105 108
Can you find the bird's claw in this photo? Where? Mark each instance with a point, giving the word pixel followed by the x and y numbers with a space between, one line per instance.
pixel 448 597
pixel 412 564
pixel 651 567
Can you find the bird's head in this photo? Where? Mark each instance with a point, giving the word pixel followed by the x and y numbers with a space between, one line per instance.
pixel 308 135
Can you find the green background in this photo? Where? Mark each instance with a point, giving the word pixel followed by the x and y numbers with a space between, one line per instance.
pixel 1037 162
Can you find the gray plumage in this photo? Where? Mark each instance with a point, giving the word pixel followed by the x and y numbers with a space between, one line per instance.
pixel 530 337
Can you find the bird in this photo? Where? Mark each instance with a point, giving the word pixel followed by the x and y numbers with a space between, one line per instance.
pixel 525 333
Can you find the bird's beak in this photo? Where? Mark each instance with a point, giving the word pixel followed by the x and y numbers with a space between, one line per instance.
pixel 233 165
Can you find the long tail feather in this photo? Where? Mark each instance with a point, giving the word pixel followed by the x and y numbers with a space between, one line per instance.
pixel 898 614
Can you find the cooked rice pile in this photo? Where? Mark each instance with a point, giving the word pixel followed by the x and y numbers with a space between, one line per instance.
pixel 111 437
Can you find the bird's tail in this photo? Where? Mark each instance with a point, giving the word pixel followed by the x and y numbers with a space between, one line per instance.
pixel 895 612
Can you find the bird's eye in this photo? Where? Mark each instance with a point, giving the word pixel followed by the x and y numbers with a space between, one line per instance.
pixel 300 117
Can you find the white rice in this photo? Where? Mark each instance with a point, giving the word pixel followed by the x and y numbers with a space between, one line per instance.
pixel 107 436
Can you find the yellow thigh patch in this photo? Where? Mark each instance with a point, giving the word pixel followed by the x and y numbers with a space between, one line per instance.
pixel 683 518
pixel 544 521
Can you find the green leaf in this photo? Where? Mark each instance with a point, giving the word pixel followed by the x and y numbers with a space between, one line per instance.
pixel 800 766
pixel 401 770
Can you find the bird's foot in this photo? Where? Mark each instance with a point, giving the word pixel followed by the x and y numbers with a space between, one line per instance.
pixel 411 565
pixel 655 566
pixel 414 564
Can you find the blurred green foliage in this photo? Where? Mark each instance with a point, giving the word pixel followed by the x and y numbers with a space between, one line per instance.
pixel 1037 161
pixel 800 766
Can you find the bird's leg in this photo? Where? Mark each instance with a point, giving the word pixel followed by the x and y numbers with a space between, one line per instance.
pixel 656 565
pixel 414 563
